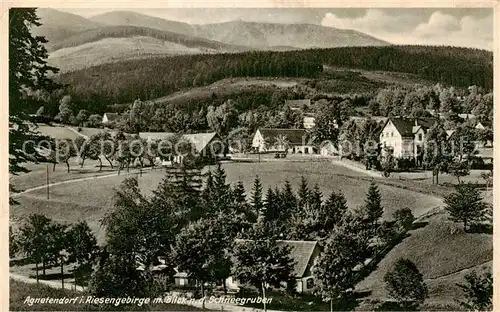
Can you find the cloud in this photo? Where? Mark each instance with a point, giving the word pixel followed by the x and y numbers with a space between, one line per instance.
pixel 437 29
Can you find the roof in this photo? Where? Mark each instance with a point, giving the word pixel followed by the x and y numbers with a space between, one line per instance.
pixel 298 103
pixel 111 116
pixel 300 251
pixel 485 124
pixel 293 136
pixel 156 135
pixel 199 140
pixel 407 126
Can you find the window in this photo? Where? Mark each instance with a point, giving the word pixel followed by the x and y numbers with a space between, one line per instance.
pixel 310 283
pixel 392 133
pixel 420 136
pixel 306 150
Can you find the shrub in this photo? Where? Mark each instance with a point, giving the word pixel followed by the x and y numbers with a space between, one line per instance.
pixel 404 218
pixel 406 284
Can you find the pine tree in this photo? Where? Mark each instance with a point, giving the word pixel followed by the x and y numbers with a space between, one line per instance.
pixel 270 207
pixel 372 208
pixel 28 73
pixel 334 210
pixel 256 199
pixel 303 194
pixel 315 198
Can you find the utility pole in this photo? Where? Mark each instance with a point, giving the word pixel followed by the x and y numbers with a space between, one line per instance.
pixel 48 181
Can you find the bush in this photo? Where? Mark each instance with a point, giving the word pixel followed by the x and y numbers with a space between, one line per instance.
pixel 406 284
pixel 404 218
pixel 387 232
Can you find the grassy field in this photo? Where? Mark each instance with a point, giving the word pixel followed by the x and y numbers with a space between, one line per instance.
pixel 19 291
pixel 91 199
pixel 57 132
pixel 443 252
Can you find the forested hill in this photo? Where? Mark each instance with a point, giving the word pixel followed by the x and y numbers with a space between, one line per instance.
pixel 130 31
pixel 122 82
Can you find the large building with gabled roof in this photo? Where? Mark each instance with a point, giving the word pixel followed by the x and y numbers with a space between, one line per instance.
pixel 294 141
pixel 405 137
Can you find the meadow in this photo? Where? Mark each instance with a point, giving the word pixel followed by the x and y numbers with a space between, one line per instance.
pixel 91 199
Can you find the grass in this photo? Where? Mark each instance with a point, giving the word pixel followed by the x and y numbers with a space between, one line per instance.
pixel 19 291
pixel 57 132
pixel 442 251
pixel 89 200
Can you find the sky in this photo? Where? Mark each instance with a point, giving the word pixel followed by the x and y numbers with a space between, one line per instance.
pixel 467 27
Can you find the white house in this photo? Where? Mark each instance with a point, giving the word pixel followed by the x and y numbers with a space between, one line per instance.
pixel 405 136
pixel 109 117
pixel 308 122
pixel 294 141
pixel 203 144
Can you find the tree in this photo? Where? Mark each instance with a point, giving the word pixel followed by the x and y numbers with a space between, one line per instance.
pixel 95 121
pixel 117 275
pixel 334 271
pixel 58 245
pixel 404 218
pixel 406 284
pixel 459 169
pixel 333 211
pixel 28 70
pixel 478 291
pixel 201 251
pixel 65 114
pixel 466 205
pixel 222 119
pixel 13 243
pixel 64 151
pixel 372 210
pixel 82 248
pixel 437 154
pixel 82 117
pixel 256 198
pixel 261 261
pixel 34 240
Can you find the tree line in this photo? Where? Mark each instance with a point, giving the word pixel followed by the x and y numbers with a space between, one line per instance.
pixel 125 81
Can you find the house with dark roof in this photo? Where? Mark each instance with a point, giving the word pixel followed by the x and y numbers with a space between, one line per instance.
pixel 109 117
pixel 304 255
pixel 404 137
pixel 294 141
pixel 204 144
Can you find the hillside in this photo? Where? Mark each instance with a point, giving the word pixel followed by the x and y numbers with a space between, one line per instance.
pixel 110 50
pixel 57 25
pixel 268 36
pixel 304 36
pixel 128 18
pixel 125 81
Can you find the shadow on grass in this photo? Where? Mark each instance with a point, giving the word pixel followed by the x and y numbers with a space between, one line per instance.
pixel 19 262
pixel 418 225
pixel 51 276
pixel 395 306
pixel 481 228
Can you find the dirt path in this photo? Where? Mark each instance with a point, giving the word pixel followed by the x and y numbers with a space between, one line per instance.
pixel 54 284
pixel 144 171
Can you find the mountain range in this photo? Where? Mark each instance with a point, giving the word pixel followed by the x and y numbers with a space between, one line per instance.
pixel 75 41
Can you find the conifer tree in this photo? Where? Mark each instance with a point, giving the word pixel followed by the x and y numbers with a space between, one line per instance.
pixel 256 199
pixel 303 194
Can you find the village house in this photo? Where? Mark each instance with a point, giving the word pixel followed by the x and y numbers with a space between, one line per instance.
pixel 298 104
pixel 293 141
pixel 303 253
pixel 404 137
pixel 109 118
pixel 309 121
pixel 204 144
